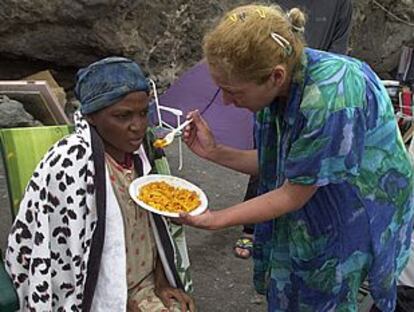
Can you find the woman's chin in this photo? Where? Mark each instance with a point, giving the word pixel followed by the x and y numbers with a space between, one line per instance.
pixel 135 144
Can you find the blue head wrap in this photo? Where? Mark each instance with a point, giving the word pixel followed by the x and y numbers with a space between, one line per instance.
pixel 106 82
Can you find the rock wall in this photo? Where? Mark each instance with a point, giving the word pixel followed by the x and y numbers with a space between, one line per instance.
pixel 380 29
pixel 165 35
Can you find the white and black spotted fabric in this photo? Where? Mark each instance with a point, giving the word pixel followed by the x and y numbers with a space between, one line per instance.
pixel 56 257
pixel 48 246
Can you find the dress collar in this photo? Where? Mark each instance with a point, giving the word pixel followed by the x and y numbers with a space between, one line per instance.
pixel 291 108
pixel 128 163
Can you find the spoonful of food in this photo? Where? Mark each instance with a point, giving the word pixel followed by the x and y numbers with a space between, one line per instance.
pixel 167 140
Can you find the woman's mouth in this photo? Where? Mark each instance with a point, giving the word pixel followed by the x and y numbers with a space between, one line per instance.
pixel 136 141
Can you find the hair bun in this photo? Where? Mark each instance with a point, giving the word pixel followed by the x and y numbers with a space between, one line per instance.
pixel 297 20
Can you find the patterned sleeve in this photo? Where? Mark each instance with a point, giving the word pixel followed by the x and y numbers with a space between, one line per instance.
pixel 330 145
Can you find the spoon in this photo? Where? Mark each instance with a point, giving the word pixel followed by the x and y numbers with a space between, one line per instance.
pixel 167 140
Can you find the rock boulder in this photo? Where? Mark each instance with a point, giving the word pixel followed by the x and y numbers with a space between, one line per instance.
pixel 13 114
pixel 165 35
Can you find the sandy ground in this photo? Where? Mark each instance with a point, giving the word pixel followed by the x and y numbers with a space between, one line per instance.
pixel 221 281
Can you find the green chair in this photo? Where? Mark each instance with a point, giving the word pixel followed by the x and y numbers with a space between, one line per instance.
pixel 22 149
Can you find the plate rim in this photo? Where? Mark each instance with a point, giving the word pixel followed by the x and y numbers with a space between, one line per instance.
pixel 149 208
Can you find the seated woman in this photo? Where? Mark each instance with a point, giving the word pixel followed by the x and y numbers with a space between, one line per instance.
pixel 79 242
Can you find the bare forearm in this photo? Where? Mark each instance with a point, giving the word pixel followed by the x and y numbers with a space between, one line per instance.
pixel 159 275
pixel 244 161
pixel 269 206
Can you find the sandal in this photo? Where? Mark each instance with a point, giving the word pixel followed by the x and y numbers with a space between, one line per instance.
pixel 244 243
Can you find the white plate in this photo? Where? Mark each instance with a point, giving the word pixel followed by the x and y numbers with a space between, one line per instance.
pixel 136 185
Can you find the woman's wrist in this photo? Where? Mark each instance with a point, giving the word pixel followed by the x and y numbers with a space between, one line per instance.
pixel 216 221
pixel 214 153
pixel 160 281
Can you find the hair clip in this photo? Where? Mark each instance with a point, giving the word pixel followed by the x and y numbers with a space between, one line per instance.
pixel 242 16
pixel 261 13
pixel 233 17
pixel 283 42
pixel 298 29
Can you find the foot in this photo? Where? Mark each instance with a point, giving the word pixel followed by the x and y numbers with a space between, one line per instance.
pixel 244 246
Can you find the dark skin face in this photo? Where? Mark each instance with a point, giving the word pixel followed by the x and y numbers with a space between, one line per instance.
pixel 122 125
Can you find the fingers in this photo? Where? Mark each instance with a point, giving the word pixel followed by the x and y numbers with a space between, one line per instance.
pixel 185 301
pixel 179 296
pixel 205 220
pixel 184 218
pixel 165 298
pixel 191 304
pixel 189 133
pixel 198 121
pixel 176 221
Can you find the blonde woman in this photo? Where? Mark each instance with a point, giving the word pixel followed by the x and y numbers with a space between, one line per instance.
pixel 335 180
pixel 327 28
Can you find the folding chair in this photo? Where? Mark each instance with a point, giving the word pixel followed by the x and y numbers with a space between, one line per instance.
pixel 161 125
pixel 402 90
pixel 403 102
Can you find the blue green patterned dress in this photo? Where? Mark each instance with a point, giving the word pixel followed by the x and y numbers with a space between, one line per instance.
pixel 338 132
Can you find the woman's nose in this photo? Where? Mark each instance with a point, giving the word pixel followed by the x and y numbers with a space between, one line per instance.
pixel 139 124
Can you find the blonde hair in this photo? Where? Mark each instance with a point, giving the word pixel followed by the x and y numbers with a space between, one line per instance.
pixel 249 41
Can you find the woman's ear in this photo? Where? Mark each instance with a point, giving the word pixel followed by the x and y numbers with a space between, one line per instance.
pixel 278 76
pixel 90 120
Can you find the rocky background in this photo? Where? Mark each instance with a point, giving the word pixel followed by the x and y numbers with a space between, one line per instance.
pixel 380 29
pixel 163 35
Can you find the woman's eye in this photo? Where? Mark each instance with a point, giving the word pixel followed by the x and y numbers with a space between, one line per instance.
pixel 122 116
pixel 232 93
